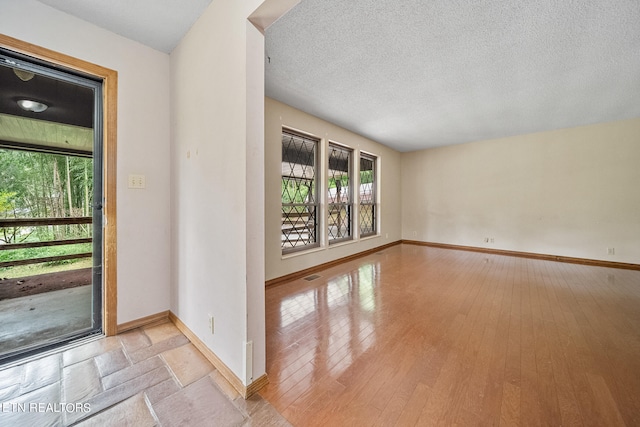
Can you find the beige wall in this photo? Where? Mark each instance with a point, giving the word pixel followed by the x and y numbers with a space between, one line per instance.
pixel 216 138
pixel 572 192
pixel 143 143
pixel 278 115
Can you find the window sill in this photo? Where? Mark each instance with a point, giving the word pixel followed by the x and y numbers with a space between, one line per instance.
pixel 324 248
pixel 374 236
pixel 343 243
pixel 303 252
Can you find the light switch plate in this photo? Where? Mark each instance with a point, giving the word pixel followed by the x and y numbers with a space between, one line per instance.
pixel 137 181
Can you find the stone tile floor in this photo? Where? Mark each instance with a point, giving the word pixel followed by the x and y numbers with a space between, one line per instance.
pixel 151 376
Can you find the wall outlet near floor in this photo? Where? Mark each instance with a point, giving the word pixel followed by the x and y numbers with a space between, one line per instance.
pixel 492 240
pixel 611 251
pixel 211 324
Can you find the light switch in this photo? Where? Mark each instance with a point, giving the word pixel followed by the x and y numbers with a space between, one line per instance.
pixel 137 181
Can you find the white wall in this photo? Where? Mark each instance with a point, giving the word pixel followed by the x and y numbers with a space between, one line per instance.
pixel 216 138
pixel 143 143
pixel 571 192
pixel 278 115
pixel 256 322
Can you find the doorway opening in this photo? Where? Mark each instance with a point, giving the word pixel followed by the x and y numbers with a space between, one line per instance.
pixel 51 205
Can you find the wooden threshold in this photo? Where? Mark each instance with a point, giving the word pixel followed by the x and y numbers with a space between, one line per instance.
pixel 153 319
pixel 307 271
pixel 532 255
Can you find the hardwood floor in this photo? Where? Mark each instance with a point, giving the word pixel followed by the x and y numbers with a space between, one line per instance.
pixel 425 336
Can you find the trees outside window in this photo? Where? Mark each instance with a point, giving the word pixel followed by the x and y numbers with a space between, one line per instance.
pixel 299 192
pixel 367 195
pixel 339 221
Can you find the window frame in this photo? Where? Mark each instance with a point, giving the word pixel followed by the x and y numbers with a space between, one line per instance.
pixel 373 203
pixel 314 189
pixel 349 205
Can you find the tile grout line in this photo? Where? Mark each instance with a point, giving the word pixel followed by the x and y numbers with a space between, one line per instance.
pixel 150 408
pixel 173 374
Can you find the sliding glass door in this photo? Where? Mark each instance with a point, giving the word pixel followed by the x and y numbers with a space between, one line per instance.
pixel 51 198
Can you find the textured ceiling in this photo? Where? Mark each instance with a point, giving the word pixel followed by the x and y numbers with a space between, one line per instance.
pixel 418 74
pixel 160 24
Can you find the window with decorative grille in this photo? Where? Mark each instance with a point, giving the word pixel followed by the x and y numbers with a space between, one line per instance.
pixel 339 194
pixel 299 191
pixel 367 194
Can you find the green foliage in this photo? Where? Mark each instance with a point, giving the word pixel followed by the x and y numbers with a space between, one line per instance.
pixel 44 184
pixel 40 185
pixel 7 202
pixel 295 191
pixel 34 269
pixel 366 177
pixel 344 181
pixel 49 251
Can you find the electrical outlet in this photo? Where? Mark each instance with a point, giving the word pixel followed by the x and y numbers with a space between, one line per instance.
pixel 492 240
pixel 611 251
pixel 211 324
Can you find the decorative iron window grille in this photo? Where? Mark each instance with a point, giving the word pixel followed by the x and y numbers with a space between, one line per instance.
pixel 299 192
pixel 339 194
pixel 367 210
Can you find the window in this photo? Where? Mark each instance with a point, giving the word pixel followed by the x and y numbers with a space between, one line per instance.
pixel 367 211
pixel 299 191
pixel 339 194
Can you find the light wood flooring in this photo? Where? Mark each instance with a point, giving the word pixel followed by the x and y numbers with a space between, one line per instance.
pixel 424 336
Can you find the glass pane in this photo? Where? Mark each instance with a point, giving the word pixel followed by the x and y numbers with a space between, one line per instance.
pixel 38 111
pixel 367 196
pixel 367 219
pixel 338 193
pixel 47 186
pixel 339 221
pixel 298 226
pixel 298 191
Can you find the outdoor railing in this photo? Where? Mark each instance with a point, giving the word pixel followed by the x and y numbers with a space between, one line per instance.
pixel 39 222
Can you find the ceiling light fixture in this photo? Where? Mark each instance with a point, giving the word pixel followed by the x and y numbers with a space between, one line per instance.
pixel 25 76
pixel 34 106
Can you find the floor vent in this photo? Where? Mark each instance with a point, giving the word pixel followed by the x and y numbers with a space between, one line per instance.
pixel 310 278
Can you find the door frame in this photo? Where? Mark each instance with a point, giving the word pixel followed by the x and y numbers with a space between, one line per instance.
pixel 109 110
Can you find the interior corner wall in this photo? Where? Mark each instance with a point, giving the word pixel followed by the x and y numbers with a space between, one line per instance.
pixel 279 115
pixel 256 320
pixel 142 143
pixel 570 192
pixel 210 134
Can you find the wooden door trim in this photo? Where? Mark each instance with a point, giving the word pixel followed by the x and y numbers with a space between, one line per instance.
pixel 110 98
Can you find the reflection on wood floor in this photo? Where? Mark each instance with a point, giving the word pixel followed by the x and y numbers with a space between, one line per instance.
pixel 425 336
